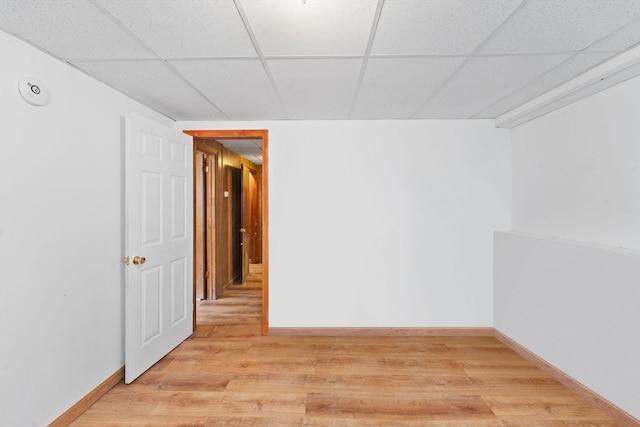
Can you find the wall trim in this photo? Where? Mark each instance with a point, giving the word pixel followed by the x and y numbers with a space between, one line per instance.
pixel 397 332
pixel 623 418
pixel 92 397
pixel 615 70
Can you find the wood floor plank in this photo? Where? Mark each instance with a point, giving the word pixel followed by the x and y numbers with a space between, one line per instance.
pixel 401 406
pixel 228 374
pixel 245 421
pixel 311 421
pixel 120 420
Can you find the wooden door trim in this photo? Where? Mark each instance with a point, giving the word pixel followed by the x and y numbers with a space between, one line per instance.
pixel 214 181
pixel 264 135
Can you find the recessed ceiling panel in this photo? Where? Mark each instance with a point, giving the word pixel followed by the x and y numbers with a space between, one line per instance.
pixel 561 26
pixel 240 88
pixel 155 85
pixel 311 27
pixel 438 27
pixel 69 29
pixel 621 40
pixel 316 88
pixel 185 29
pixel 483 81
pixel 241 144
pixel 396 87
pixel 428 59
pixel 248 148
pixel 550 80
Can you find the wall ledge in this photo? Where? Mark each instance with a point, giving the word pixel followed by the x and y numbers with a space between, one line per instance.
pixel 616 249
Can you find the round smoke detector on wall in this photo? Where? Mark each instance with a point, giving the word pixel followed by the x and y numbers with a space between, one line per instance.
pixel 34 91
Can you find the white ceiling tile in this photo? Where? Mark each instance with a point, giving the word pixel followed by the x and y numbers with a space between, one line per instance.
pixel 484 80
pixel 313 27
pixel 69 29
pixel 244 152
pixel 155 85
pixel 248 148
pixel 561 26
pixel 621 40
pixel 550 80
pixel 255 159
pixel 185 29
pixel 316 88
pixel 241 144
pixel 240 88
pixel 315 48
pixel 438 27
pixel 397 87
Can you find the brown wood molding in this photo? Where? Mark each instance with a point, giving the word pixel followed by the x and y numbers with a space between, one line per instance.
pixel 625 419
pixel 392 332
pixel 264 135
pixel 232 133
pixel 92 397
pixel 265 232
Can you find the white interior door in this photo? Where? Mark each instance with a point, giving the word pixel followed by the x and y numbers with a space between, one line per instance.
pixel 159 242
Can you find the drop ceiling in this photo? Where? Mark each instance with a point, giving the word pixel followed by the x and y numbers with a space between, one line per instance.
pixel 328 59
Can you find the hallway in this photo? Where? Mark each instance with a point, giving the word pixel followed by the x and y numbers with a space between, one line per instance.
pixel 227 374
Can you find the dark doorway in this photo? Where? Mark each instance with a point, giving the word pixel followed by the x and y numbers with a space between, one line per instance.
pixel 235 200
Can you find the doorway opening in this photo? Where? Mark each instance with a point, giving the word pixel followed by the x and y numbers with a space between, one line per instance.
pixel 235 196
pixel 234 233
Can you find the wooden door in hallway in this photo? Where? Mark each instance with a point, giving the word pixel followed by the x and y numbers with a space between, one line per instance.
pixel 246 221
pixel 255 241
pixel 236 232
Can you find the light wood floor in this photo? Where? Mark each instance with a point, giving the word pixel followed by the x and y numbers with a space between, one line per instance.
pixel 227 374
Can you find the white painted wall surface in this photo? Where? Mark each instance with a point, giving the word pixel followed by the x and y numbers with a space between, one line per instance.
pixel 575 300
pixel 576 172
pixel 383 223
pixel 575 306
pixel 61 296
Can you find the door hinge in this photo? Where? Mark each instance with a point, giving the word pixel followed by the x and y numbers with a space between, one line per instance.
pixel 206 169
pixel 206 274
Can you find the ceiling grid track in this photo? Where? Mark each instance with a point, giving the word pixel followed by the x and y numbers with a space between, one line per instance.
pixel 110 15
pixel 261 57
pixel 365 59
pixel 551 70
pixel 468 58
pixel 330 60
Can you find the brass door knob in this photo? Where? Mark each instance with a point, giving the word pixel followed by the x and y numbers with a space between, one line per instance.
pixel 139 260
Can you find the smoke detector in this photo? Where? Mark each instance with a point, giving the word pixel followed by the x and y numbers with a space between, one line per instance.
pixel 34 91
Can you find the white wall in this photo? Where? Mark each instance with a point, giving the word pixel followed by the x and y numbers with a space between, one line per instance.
pixel 576 171
pixel 372 224
pixel 575 300
pixel 376 223
pixel 61 296
pixel 576 306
